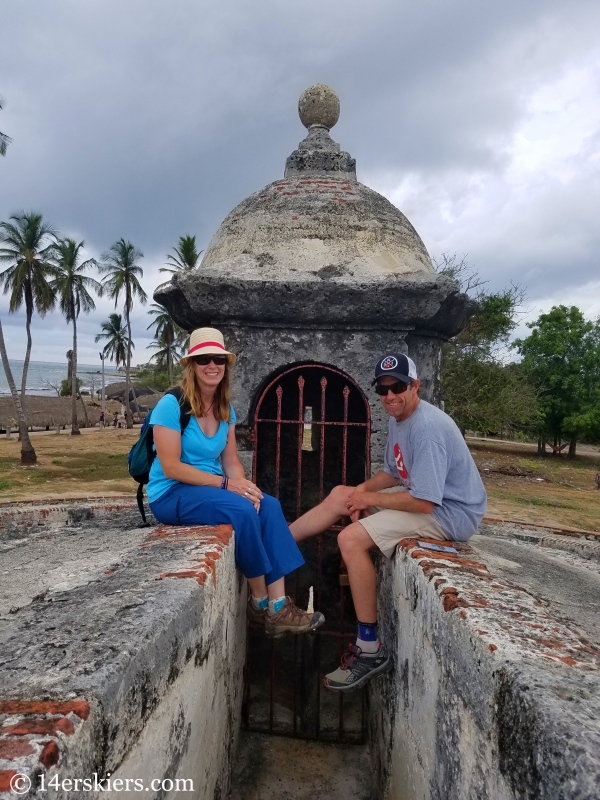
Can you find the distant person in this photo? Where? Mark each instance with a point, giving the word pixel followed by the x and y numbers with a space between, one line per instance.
pixel 115 419
pixel 429 487
pixel 101 419
pixel 189 485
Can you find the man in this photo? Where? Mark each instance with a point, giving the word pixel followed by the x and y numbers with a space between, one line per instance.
pixel 429 488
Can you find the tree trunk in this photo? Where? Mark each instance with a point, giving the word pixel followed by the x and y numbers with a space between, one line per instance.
pixel 27 357
pixel 128 416
pixel 170 365
pixel 85 414
pixel 74 421
pixel 556 444
pixel 572 447
pixel 28 455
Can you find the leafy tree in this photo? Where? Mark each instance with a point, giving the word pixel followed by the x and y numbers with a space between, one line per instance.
pixel 27 245
pixel 115 333
pixel 4 139
pixel 562 356
pixel 122 271
pixel 72 287
pixel 480 390
pixel 186 256
pixel 168 339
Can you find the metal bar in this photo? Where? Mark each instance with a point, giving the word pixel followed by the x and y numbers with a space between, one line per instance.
pixel 356 738
pixel 295 670
pixel 295 422
pixel 300 423
pixel 346 394
pixel 272 682
pixel 322 446
pixel 279 393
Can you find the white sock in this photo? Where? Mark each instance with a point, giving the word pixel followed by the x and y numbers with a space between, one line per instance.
pixel 368 648
pixel 276 605
pixel 260 603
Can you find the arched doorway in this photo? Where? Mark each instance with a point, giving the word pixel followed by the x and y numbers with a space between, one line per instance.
pixel 311 431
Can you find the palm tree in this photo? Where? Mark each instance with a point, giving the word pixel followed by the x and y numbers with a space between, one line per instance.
pixel 122 272
pixel 116 334
pixel 4 139
pixel 28 455
pixel 71 286
pixel 168 337
pixel 26 245
pixel 185 258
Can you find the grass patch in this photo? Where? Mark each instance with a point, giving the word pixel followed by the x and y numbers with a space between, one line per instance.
pixel 5 485
pixel 57 462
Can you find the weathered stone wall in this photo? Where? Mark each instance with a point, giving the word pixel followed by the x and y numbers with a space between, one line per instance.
pixel 135 672
pixel 493 697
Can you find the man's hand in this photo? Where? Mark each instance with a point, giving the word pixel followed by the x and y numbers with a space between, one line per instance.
pixel 359 500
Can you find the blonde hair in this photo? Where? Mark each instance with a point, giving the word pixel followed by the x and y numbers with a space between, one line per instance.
pixel 192 394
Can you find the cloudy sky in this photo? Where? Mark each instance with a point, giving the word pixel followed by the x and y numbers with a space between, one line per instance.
pixel 149 119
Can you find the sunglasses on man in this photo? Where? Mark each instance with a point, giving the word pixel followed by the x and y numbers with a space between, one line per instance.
pixel 395 388
pixel 204 361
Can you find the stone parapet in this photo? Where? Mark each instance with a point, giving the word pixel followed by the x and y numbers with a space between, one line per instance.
pixel 494 694
pixel 18 517
pixel 132 675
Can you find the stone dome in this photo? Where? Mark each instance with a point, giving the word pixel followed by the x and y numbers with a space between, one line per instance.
pixel 317 248
pixel 318 221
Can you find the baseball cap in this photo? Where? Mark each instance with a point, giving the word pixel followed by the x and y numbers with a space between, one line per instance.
pixel 398 366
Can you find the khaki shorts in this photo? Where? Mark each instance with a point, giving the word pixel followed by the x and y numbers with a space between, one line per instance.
pixel 387 527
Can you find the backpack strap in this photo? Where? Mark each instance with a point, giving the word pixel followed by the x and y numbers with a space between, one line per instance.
pixel 140 501
pixel 185 409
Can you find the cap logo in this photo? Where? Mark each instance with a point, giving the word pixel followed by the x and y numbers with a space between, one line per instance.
pixel 389 362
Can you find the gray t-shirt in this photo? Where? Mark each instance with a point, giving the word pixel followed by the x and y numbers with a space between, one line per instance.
pixel 430 457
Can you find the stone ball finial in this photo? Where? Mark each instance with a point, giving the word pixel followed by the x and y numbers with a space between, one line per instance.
pixel 319 105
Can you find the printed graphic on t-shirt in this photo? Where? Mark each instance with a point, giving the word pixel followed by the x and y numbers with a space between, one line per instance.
pixel 400 466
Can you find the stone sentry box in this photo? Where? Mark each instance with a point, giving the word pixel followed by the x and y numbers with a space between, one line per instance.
pixel 319 268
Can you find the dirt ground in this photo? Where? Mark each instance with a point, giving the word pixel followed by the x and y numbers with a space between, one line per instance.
pixel 546 490
pixel 521 485
pixel 94 463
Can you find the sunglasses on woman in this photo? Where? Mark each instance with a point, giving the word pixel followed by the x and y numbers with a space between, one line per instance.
pixel 395 388
pixel 204 361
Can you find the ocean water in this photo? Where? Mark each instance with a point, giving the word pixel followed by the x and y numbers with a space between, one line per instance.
pixel 42 374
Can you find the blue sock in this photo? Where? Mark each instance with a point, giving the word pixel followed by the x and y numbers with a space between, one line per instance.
pixel 368 639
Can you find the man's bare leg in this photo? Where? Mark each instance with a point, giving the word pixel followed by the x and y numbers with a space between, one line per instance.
pixel 322 517
pixel 354 543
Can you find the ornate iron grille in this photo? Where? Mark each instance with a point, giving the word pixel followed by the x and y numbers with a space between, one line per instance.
pixel 311 432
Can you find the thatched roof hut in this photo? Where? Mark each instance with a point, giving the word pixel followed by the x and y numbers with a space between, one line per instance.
pixel 45 412
pixel 113 390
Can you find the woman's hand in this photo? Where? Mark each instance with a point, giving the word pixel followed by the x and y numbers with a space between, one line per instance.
pixel 246 489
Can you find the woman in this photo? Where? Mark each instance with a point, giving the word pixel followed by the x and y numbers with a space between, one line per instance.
pixel 188 485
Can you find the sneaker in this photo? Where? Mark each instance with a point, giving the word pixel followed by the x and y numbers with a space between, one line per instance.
pixel 356 669
pixel 292 619
pixel 255 616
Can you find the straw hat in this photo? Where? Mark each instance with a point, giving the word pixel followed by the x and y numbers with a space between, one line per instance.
pixel 205 342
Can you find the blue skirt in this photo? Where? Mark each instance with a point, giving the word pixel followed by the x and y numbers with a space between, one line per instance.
pixel 264 544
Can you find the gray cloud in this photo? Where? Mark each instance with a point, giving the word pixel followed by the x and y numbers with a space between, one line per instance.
pixel 149 119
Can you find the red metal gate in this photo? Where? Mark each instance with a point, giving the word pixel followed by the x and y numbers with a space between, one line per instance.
pixel 311 432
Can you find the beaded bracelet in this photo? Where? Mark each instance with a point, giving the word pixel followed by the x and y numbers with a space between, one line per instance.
pixel 224 482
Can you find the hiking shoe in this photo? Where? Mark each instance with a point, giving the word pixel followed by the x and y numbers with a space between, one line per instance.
pixel 292 619
pixel 255 616
pixel 356 669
